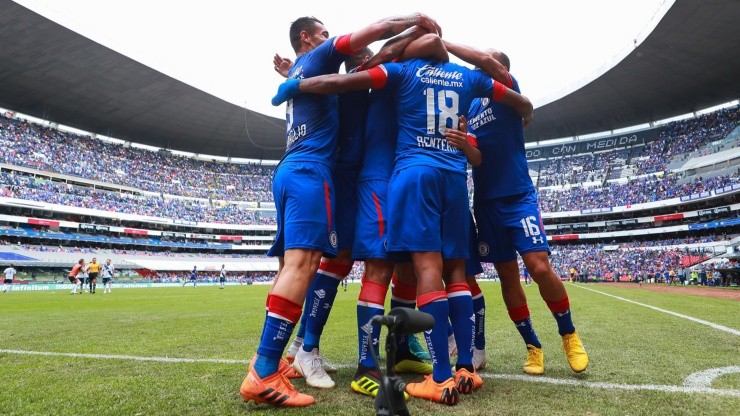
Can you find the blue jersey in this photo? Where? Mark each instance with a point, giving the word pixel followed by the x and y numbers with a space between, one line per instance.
pixel 352 114
pixel 431 96
pixel 500 135
pixel 312 119
pixel 380 136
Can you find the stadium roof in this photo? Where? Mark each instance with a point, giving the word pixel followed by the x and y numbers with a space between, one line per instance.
pixel 690 61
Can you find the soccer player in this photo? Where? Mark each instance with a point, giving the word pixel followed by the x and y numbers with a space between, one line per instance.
pixel 306 229
pixel 93 270
pixel 222 277
pixel 193 276
pixel 509 222
pixel 427 192
pixel 9 276
pixel 108 270
pixel 76 270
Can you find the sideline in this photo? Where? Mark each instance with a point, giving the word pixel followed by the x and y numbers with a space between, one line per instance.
pixel 690 318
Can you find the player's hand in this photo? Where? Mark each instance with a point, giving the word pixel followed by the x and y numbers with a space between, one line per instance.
pixel 286 91
pixel 458 137
pixel 282 65
pixel 429 24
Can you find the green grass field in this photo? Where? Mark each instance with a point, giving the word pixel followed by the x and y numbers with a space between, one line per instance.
pixel 640 356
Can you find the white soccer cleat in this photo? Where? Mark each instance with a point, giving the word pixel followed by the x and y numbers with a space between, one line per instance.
pixel 310 365
pixel 326 365
pixel 479 359
pixel 293 349
pixel 451 346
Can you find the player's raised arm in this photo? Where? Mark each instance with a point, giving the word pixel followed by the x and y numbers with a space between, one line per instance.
pixel 481 59
pixel 513 99
pixel 330 84
pixel 389 27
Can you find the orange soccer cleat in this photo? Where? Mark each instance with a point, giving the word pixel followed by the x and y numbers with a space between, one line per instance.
pixel 467 382
pixel 444 392
pixel 274 389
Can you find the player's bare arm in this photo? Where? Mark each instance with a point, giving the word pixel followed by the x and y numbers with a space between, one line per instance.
pixel 482 60
pixel 391 26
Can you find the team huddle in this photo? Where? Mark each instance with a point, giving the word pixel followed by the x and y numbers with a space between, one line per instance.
pixel 376 171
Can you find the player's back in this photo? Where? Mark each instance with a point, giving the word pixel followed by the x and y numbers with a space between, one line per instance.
pixel 353 108
pixel 498 129
pixel 431 97
pixel 312 119
pixel 379 140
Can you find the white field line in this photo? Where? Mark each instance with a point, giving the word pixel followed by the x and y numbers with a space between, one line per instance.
pixel 680 315
pixel 513 377
pixel 704 378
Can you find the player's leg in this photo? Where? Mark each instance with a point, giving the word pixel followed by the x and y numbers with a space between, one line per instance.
pixel 403 295
pixel 370 303
pixel 416 196
pixel 496 246
pixel 553 292
pixel 531 243
pixel 472 269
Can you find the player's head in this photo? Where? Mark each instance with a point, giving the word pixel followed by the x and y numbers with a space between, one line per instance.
pixel 501 57
pixel 11 266
pixel 307 33
pixel 82 261
pixel 94 260
pixel 223 266
pixel 358 59
pixel 107 261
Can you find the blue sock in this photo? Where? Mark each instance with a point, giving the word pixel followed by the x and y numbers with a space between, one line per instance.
pixel 526 330
pixel 318 305
pixel 462 320
pixel 437 338
pixel 364 314
pixel 561 311
pixel 302 325
pixel 479 306
pixel 275 336
pixel 520 316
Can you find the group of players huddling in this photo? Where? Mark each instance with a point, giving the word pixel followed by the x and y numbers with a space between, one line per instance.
pixel 377 174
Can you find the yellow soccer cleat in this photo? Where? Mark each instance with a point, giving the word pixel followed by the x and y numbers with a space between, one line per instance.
pixel 577 356
pixel 367 382
pixel 535 364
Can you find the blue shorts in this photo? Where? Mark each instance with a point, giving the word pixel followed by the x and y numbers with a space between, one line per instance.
pixel 472 264
pixel 304 205
pixel 428 212
pixel 509 225
pixel 345 191
pixel 371 224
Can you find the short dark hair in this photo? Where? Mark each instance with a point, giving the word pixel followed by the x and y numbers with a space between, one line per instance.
pixel 357 59
pixel 504 59
pixel 306 23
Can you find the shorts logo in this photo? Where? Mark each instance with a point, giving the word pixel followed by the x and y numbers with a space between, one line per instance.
pixel 483 249
pixel 385 244
pixel 333 239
